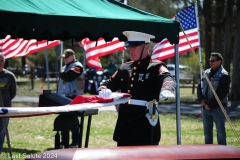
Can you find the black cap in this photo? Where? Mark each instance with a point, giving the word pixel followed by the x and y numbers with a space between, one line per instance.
pixel 67 53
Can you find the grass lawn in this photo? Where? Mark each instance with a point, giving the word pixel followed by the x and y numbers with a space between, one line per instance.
pixel 35 134
pixel 26 88
pixel 31 135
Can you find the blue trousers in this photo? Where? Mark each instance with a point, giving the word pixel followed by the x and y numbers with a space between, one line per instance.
pixel 75 133
pixel 2 132
pixel 216 116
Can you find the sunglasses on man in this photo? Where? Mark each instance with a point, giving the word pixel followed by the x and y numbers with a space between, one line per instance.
pixel 211 61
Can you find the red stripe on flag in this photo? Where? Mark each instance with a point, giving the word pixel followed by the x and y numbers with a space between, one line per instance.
pixel 12 48
pixel 96 49
pixel 36 47
pixel 94 62
pixel 184 44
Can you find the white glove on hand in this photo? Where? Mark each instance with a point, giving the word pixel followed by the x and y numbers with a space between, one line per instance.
pixel 165 94
pixel 105 93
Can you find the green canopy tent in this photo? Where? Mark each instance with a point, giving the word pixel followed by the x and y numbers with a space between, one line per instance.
pixel 78 19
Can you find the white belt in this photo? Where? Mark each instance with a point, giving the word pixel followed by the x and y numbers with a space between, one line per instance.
pixel 138 102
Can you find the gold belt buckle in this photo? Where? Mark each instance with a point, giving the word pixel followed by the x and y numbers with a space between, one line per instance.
pixel 154 101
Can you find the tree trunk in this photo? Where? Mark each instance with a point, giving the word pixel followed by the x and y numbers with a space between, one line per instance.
pixel 23 60
pixel 218 47
pixel 228 36
pixel 235 88
pixel 207 12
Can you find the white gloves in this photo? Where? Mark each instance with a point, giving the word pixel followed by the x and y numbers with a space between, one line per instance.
pixel 165 94
pixel 105 93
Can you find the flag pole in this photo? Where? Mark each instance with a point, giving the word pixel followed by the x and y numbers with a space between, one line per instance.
pixel 199 48
pixel 123 52
pixel 47 67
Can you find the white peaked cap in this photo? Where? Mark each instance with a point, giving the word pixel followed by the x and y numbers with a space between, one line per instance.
pixel 138 36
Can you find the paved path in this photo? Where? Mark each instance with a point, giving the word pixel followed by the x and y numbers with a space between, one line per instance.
pixel 233 108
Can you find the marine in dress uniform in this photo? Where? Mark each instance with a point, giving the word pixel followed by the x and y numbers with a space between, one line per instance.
pixel 145 80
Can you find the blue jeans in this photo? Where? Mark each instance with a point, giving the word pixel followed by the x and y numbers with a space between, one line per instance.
pixel 216 116
pixel 2 132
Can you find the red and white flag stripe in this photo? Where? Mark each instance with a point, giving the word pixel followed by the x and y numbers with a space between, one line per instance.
pixel 96 49
pixel 13 48
pixel 165 50
pixel 94 62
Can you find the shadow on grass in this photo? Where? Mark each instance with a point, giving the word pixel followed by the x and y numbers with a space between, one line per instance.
pixel 186 100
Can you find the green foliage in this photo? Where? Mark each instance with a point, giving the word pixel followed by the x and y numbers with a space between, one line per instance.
pixel 24 86
pixel 116 57
pixel 79 56
pixel 39 58
pixel 104 61
pixel 14 62
pixel 191 61
pixel 155 7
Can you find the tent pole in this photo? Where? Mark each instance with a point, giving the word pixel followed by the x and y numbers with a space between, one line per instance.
pixel 61 51
pixel 178 118
pixel 57 68
pixel 123 52
pixel 47 67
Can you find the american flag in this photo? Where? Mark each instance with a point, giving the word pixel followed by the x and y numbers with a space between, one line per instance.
pixel 13 48
pixel 96 49
pixel 189 22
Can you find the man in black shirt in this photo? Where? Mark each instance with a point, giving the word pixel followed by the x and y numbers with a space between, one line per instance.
pixel 212 113
pixel 71 85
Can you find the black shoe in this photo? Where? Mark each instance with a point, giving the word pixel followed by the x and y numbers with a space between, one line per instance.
pixel 61 145
pixel 73 145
